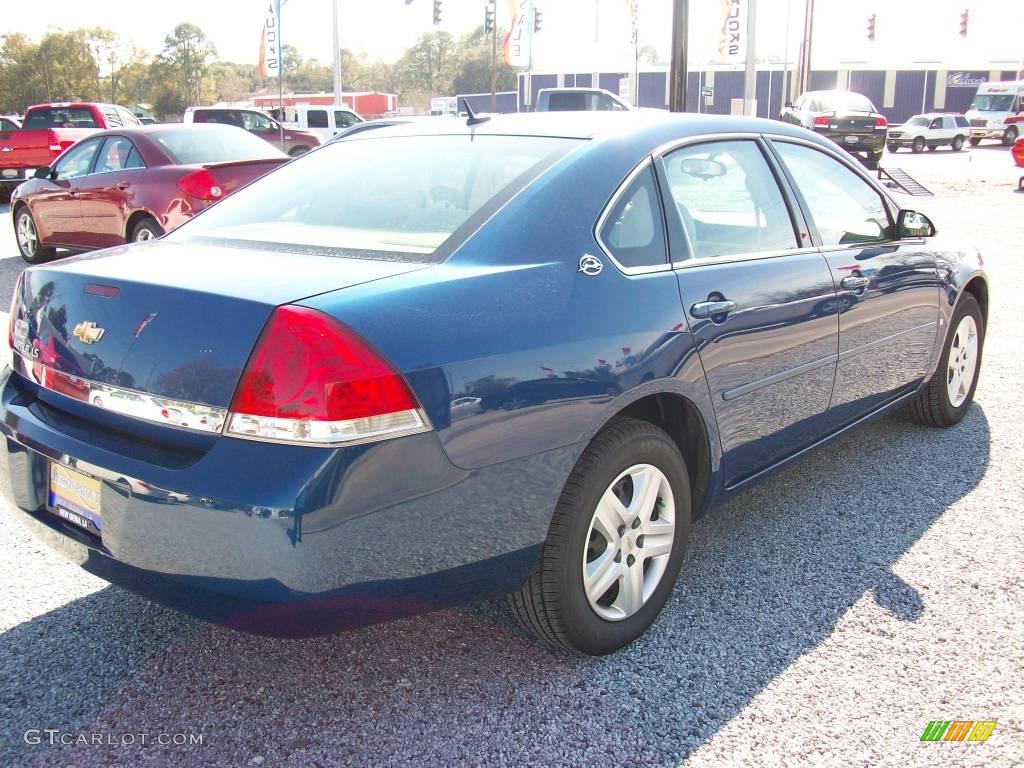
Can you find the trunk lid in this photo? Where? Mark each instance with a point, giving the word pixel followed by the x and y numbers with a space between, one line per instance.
pixel 36 148
pixel 851 122
pixel 235 174
pixel 170 319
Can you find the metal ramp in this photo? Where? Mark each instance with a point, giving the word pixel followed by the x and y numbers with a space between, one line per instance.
pixel 902 181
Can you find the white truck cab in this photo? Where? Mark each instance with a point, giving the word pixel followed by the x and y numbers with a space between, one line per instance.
pixel 323 121
pixel 997 112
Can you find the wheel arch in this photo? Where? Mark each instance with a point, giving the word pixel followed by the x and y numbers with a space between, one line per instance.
pixel 977 286
pixel 682 419
pixel 137 216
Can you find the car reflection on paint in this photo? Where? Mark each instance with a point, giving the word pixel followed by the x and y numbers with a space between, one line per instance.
pixel 539 391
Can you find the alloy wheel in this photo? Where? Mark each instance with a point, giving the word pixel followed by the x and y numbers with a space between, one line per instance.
pixel 963 361
pixel 28 239
pixel 629 542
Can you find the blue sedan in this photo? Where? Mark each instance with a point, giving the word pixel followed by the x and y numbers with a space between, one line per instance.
pixel 442 361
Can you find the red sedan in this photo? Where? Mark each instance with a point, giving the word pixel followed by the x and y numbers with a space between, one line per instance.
pixel 129 184
pixel 1018 152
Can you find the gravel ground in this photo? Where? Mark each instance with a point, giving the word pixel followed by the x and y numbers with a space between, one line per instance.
pixel 824 617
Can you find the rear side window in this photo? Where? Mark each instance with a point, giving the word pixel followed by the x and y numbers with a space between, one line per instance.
pixel 845 209
pixel 728 200
pixel 961 122
pixel 567 102
pixel 317 118
pixel 404 198
pixel 60 117
pixel 343 119
pixel 114 155
pixel 634 229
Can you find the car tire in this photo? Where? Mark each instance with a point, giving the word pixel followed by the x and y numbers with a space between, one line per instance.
pixel 555 604
pixel 146 229
pixel 296 151
pixel 941 403
pixel 958 143
pixel 892 148
pixel 974 141
pixel 873 160
pixel 27 235
pixel 932 147
pixel 918 146
pixel 1010 136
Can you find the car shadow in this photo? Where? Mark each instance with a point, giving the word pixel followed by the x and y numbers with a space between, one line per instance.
pixel 768 577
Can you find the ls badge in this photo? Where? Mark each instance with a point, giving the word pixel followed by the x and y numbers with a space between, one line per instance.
pixel 590 265
pixel 88 333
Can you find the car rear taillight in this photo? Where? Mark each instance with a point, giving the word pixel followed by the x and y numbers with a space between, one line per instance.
pixel 821 120
pixel 201 184
pixel 881 122
pixel 312 380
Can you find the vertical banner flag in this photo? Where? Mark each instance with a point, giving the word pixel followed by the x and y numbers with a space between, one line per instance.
pixel 634 16
pixel 270 40
pixel 519 41
pixel 732 44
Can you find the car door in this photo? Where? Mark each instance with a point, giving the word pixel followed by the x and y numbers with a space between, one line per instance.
pixel 888 289
pixel 344 119
pixel 107 193
pixel 759 299
pixel 56 206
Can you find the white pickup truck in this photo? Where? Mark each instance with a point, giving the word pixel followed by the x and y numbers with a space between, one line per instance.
pixel 323 121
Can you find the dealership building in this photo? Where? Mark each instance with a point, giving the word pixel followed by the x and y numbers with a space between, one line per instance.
pixel 898 93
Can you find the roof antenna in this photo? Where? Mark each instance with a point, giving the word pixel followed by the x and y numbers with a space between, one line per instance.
pixel 473 119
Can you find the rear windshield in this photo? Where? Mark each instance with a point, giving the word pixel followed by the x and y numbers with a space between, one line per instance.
pixel 60 117
pixel 841 101
pixel 405 198
pixel 213 144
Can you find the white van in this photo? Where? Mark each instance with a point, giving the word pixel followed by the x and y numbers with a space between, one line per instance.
pixel 997 112
pixel 323 121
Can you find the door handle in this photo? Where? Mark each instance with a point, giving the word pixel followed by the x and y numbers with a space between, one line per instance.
pixel 123 185
pixel 704 309
pixel 854 282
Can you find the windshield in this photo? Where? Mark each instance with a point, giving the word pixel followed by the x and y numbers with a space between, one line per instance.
pixel 213 144
pixel 409 198
pixel 845 101
pixel 992 102
pixel 918 121
pixel 60 117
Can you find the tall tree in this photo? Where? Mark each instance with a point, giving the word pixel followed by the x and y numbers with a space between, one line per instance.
pixel 188 54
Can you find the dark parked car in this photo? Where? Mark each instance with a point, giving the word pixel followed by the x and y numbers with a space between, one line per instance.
pixel 133 184
pixel 299 349
pixel 296 142
pixel 849 119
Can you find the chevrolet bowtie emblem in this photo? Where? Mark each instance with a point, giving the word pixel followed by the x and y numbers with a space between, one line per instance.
pixel 88 333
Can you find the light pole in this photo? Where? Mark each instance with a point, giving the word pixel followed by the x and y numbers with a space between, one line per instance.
pixel 750 70
pixel 678 70
pixel 337 55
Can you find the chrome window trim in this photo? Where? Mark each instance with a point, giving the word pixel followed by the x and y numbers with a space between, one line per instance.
pixel 736 257
pixel 643 165
pixel 24 368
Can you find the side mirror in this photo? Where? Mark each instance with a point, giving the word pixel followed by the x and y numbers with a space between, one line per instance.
pixel 788 105
pixel 912 224
pixel 42 173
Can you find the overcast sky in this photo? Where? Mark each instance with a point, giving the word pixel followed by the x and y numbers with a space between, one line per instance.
pixel 907 30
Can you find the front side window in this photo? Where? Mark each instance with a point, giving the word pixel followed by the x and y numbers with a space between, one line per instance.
pixel 254 121
pixel 317 118
pixel 634 230
pixel 77 161
pixel 845 209
pixel 343 119
pixel 398 198
pixel 728 200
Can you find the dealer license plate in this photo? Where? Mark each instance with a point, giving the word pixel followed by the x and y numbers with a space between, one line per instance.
pixel 75 497
pixel 852 139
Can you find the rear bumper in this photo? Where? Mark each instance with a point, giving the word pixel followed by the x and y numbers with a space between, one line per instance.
pixel 988 133
pixel 857 143
pixel 286 540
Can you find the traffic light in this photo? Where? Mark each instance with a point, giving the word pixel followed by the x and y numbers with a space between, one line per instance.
pixel 963 22
pixel 437 12
pixel 538 19
pixel 489 18
pixel 871 26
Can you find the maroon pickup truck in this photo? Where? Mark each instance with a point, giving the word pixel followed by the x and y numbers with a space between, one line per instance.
pixel 49 129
